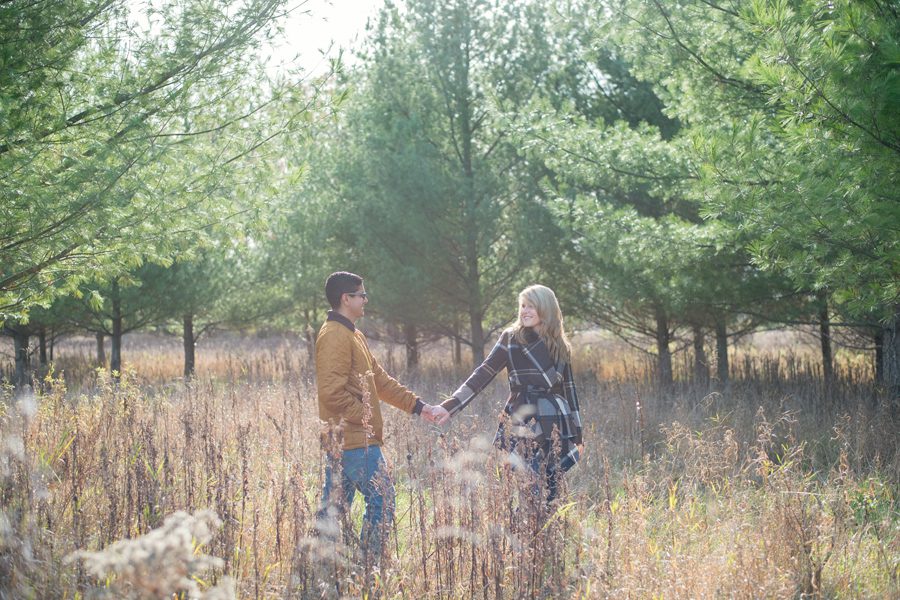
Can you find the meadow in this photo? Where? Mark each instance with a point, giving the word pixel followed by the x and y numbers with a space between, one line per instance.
pixel 148 487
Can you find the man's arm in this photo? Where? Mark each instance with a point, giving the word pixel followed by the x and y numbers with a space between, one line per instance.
pixel 391 391
pixel 334 355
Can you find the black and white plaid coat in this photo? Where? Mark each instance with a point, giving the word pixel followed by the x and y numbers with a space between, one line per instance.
pixel 542 409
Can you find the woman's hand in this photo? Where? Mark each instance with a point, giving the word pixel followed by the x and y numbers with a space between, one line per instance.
pixel 435 414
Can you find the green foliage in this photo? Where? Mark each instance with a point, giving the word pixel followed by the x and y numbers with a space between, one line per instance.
pixel 643 267
pixel 622 172
pixel 437 205
pixel 138 297
pixel 791 109
pixel 872 501
pixel 291 262
pixel 125 130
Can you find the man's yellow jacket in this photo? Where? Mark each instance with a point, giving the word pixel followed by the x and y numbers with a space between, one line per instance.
pixel 345 369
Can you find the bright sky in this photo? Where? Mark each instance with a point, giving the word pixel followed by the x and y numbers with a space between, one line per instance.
pixel 313 31
pixel 314 25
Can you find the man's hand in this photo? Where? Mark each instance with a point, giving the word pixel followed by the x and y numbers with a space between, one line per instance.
pixel 435 414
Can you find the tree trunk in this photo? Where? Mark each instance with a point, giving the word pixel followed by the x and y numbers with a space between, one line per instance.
pixel 189 346
pixel 101 351
pixel 457 345
pixel 412 345
pixel 825 339
pixel 310 335
pixel 115 360
pixel 722 353
pixel 891 357
pixel 879 355
pixel 42 345
pixel 477 341
pixel 463 108
pixel 20 346
pixel 664 356
pixel 701 364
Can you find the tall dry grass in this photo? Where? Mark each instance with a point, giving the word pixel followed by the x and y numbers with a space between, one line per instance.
pixel 775 487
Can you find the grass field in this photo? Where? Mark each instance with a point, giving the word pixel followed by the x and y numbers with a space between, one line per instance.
pixel 772 488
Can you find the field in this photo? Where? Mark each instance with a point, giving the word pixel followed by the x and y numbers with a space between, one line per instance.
pixel 773 487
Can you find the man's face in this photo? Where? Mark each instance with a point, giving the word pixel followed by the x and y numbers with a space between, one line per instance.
pixel 355 303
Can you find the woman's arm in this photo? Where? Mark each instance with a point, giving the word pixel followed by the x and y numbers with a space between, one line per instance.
pixel 480 377
pixel 571 397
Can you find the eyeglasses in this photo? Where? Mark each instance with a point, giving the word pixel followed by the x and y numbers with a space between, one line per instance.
pixel 362 295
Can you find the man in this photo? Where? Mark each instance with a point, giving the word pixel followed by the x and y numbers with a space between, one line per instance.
pixel 351 387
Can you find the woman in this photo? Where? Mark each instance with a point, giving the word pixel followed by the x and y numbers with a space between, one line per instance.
pixel 541 423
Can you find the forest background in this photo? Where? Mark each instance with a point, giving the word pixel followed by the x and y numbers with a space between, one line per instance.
pixel 681 174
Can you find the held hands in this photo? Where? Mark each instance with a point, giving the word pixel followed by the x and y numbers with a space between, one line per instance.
pixel 435 414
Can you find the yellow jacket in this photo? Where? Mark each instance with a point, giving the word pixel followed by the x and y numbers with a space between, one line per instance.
pixel 344 368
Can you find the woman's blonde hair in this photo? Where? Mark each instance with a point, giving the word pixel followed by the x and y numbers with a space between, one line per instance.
pixel 551 328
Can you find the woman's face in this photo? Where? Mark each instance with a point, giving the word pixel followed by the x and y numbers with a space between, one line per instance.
pixel 528 314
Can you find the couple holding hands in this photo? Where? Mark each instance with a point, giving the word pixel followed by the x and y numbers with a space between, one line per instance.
pixel 540 423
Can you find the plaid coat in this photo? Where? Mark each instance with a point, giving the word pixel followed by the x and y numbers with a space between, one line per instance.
pixel 542 406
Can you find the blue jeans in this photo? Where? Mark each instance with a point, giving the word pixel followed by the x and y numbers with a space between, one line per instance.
pixel 364 470
pixel 547 474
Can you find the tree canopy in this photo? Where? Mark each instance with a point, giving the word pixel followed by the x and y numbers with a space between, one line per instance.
pixel 122 127
pixel 668 167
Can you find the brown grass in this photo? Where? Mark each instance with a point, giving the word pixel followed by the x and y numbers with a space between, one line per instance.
pixel 773 488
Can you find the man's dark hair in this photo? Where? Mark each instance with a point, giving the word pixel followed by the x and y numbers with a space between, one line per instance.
pixel 341 283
